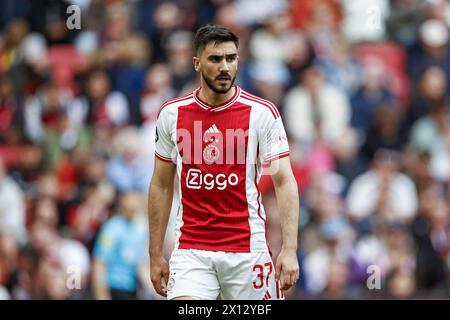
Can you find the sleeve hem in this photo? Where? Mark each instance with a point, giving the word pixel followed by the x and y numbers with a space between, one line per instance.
pixel 277 156
pixel 165 159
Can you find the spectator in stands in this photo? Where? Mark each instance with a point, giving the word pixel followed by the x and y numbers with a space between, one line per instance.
pixel 430 134
pixel 385 132
pixel 158 89
pixel 431 50
pixel 178 48
pixel 127 169
pixel 25 284
pixel 373 92
pixel 119 252
pixel 383 193
pixel 316 109
pixel 340 69
pixel 9 255
pixel 337 237
pixel 61 257
pixel 12 210
pixel 42 110
pixel 401 284
pixel 10 113
pixel 101 108
pixel 432 238
pixel 85 219
pixel 166 20
pixel 431 88
pixel 14 35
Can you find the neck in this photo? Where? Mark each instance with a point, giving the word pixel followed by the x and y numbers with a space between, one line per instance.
pixel 214 98
pixel 127 216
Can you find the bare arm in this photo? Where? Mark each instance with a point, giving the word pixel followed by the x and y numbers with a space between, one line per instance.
pixel 287 269
pixel 159 204
pixel 144 277
pixel 99 285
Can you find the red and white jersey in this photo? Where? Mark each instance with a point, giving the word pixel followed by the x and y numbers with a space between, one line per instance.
pixel 219 152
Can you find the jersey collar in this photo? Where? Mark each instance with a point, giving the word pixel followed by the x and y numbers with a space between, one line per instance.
pixel 221 106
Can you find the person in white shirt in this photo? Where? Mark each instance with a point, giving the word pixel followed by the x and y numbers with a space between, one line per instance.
pixel 12 208
pixel 383 191
pixel 316 108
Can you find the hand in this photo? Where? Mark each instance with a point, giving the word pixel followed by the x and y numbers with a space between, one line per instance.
pixel 159 274
pixel 287 269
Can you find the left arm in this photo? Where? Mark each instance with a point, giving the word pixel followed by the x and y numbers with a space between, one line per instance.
pixel 286 191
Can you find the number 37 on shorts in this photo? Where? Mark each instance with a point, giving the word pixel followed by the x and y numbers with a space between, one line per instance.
pixel 265 281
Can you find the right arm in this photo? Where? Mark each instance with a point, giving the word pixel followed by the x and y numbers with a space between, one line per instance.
pixel 99 285
pixel 160 196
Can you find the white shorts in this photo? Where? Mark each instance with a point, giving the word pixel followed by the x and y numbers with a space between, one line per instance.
pixel 205 275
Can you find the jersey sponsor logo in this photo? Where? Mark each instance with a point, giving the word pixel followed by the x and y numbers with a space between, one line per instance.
pixel 156 135
pixel 196 179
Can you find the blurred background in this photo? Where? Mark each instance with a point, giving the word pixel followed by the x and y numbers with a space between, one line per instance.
pixel 363 88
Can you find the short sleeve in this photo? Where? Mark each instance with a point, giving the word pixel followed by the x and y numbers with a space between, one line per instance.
pixel 273 139
pixel 164 145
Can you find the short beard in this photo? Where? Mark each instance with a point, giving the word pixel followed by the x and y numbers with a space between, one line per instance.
pixel 216 89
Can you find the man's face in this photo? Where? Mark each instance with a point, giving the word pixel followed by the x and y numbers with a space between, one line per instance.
pixel 218 64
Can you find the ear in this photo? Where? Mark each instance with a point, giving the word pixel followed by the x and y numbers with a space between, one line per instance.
pixel 196 63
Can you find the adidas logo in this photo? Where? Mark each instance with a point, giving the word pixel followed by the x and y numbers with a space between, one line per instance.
pixel 267 296
pixel 211 130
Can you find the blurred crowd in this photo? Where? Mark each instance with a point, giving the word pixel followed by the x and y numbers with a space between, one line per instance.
pixel 362 86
